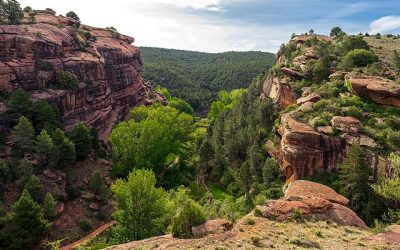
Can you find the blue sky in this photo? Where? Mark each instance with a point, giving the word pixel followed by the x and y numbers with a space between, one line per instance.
pixel 222 25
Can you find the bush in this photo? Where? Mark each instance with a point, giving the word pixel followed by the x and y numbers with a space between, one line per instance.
pixel 354 42
pixel 85 224
pixel 49 206
pixel 10 12
pixel 44 65
pixel 191 214
pixel 73 192
pixel 66 80
pixel 21 103
pixel 362 57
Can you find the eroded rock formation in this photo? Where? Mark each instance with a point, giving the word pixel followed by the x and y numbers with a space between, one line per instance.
pixel 307 199
pixel 303 151
pixel 107 66
pixel 377 89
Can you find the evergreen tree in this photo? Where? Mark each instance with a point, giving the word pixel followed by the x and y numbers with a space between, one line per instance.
pixel 12 11
pixel 25 224
pixel 80 135
pixel 47 116
pixel 49 206
pixel 64 148
pixel 44 146
pixel 354 178
pixel 24 170
pixel 336 31
pixel 24 136
pixel 35 189
pixel 21 103
pixel 4 173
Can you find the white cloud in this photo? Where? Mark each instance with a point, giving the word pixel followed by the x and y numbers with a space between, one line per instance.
pixel 385 24
pixel 172 24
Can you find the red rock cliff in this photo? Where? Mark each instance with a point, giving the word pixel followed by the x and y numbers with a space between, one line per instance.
pixel 107 66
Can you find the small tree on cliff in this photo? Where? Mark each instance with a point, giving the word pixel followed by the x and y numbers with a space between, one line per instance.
pixel 23 135
pixel 35 189
pixel 82 139
pixel 11 12
pixel 74 16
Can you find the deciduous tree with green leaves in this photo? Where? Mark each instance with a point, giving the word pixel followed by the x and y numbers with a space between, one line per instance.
pixel 140 207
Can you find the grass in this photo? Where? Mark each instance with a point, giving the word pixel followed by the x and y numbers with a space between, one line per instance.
pixel 219 193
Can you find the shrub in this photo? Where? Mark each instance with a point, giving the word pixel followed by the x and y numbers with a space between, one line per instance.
pixel 362 57
pixel 73 192
pixel 347 63
pixel 74 16
pixel 85 224
pixel 393 138
pixel 354 42
pixel 44 65
pixel 66 80
pixel 250 222
pixel 297 215
pixel 191 214
pixel 11 12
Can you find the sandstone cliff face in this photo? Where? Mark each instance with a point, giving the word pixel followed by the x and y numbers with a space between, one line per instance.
pixel 302 147
pixel 106 64
pixel 303 151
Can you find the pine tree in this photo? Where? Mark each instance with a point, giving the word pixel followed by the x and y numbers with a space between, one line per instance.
pixel 82 139
pixel 24 136
pixel 49 206
pixel 25 170
pixel 35 189
pixel 25 224
pixel 44 146
pixel 65 148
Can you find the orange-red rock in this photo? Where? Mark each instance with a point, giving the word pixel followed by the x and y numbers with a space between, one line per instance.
pixel 211 227
pixel 311 200
pixel 379 90
pixel 303 151
pixel 279 91
pixel 108 70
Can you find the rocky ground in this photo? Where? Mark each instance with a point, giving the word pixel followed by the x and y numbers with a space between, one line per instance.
pixel 310 215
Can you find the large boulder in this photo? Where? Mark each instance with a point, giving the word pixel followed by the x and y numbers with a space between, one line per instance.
pixel 307 189
pixel 108 69
pixel 308 200
pixel 377 89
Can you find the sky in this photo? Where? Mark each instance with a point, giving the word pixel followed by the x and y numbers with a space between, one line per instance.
pixel 228 25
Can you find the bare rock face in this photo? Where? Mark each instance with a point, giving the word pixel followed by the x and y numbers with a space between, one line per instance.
pixel 279 91
pixel 307 189
pixel 292 73
pixel 346 124
pixel 211 227
pixel 303 151
pixel 311 200
pixel 108 68
pixel 379 90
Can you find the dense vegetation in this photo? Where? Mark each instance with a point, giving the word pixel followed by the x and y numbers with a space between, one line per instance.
pixel 197 77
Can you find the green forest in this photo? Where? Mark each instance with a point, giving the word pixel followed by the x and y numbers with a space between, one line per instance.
pixel 197 77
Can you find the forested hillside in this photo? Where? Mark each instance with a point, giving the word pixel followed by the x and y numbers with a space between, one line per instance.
pixel 197 77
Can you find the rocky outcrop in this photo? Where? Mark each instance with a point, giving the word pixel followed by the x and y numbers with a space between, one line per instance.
pixel 280 91
pixel 307 199
pixel 379 90
pixel 303 151
pixel 107 66
pixel 211 227
pixel 346 124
